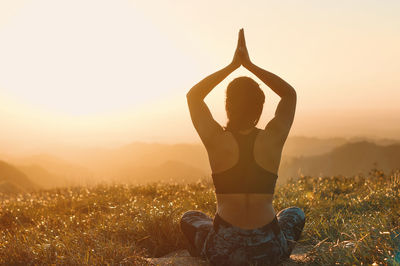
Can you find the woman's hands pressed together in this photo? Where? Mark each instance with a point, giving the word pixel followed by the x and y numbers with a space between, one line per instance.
pixel 241 56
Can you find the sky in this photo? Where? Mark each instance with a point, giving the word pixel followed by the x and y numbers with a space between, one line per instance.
pixel 104 73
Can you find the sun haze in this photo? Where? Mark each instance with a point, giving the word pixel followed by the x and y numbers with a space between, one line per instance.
pixel 112 72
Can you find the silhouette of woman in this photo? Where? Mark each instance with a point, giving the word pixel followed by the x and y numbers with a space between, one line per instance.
pixel 244 161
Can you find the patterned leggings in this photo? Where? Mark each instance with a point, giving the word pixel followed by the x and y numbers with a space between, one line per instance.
pixel 221 243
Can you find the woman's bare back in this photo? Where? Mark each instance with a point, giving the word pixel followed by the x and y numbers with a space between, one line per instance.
pixel 249 210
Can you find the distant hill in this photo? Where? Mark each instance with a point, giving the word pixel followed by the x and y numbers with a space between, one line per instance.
pixel 348 159
pixel 12 180
pixel 42 177
pixel 48 168
pixel 145 161
pixel 309 146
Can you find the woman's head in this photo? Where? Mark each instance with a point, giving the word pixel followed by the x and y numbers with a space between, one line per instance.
pixel 244 103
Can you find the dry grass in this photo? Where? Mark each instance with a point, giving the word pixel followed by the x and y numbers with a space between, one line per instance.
pixel 353 220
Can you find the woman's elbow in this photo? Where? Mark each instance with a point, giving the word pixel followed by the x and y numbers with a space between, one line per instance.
pixel 191 96
pixel 291 94
pixel 294 94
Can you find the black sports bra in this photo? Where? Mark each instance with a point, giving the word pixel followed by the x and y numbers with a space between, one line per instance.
pixel 246 176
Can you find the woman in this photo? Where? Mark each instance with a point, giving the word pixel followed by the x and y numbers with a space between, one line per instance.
pixel 244 161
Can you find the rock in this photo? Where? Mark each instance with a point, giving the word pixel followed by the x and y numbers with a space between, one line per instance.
pixel 183 258
pixel 177 258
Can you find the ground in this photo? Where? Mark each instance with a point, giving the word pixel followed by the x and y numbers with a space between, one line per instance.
pixel 349 220
pixel 182 258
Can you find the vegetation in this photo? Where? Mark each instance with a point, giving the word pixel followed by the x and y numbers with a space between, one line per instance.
pixel 350 220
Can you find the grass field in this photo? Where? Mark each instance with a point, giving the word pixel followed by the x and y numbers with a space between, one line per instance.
pixel 350 220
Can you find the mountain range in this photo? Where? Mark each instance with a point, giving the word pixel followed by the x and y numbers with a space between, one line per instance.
pixel 151 162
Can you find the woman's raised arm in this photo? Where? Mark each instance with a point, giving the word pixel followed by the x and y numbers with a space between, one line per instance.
pixel 285 111
pixel 199 91
pixel 204 123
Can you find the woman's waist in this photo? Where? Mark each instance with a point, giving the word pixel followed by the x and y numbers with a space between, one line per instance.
pixel 246 216
pixel 249 202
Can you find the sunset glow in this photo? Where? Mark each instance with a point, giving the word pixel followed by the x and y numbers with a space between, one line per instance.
pixel 112 72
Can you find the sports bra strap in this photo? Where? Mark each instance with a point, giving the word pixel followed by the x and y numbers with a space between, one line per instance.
pixel 246 176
